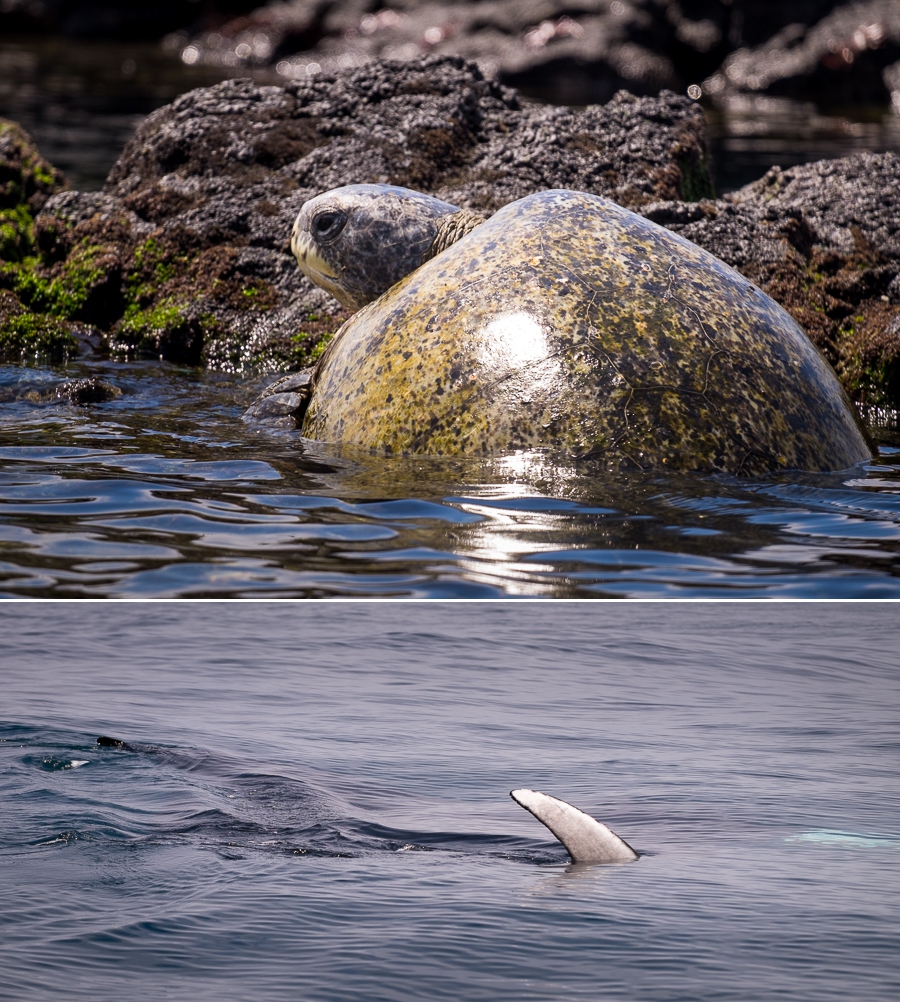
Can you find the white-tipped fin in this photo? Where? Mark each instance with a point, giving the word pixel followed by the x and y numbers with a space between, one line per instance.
pixel 587 840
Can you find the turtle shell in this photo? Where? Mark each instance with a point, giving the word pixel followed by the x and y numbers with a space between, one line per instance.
pixel 568 322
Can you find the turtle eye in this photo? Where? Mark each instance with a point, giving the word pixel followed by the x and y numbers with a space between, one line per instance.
pixel 328 224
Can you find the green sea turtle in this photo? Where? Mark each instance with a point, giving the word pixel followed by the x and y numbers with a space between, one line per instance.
pixel 563 321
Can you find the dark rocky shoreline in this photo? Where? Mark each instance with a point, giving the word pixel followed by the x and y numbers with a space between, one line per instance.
pixel 184 254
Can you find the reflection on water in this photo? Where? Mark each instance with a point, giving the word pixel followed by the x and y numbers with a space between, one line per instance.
pixel 163 491
pixel 755 133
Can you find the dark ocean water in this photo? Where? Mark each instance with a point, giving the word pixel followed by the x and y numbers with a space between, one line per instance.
pixel 164 492
pixel 313 802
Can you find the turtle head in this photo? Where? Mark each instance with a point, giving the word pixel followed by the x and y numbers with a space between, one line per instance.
pixel 358 241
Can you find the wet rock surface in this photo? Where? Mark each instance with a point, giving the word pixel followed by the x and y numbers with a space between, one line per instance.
pixel 90 390
pixel 283 402
pixel 27 182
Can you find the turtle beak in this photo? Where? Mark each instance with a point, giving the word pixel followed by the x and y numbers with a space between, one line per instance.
pixel 311 263
pixel 317 269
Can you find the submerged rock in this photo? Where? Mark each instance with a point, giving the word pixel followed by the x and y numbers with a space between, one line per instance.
pixel 81 392
pixel 90 390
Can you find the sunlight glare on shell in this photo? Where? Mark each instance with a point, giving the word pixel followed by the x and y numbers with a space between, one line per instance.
pixel 516 340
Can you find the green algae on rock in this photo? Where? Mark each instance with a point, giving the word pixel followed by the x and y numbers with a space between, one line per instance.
pixel 31 335
pixel 26 183
pixel 568 322
pixel 27 180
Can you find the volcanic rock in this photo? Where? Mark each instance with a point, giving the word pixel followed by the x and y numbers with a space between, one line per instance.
pixel 185 253
pixel 90 390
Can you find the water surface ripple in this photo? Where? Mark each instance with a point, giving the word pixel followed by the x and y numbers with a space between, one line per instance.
pixel 164 492
pixel 312 802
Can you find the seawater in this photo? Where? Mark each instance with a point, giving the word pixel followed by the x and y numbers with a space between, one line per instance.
pixel 312 803
pixel 165 492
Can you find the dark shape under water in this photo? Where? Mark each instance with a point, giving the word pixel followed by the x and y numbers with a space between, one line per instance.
pixel 107 742
pixel 91 390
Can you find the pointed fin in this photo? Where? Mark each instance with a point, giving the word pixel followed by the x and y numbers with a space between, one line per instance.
pixel 587 840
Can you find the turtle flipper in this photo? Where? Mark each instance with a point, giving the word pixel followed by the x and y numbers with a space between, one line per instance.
pixel 283 403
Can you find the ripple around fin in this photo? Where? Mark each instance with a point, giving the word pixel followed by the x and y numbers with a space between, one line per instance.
pixel 585 838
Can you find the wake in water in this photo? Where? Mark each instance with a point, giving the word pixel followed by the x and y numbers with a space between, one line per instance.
pixel 162 795
pixel 144 794
pixel 847 840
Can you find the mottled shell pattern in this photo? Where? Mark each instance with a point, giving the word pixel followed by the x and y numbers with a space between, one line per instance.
pixel 568 322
